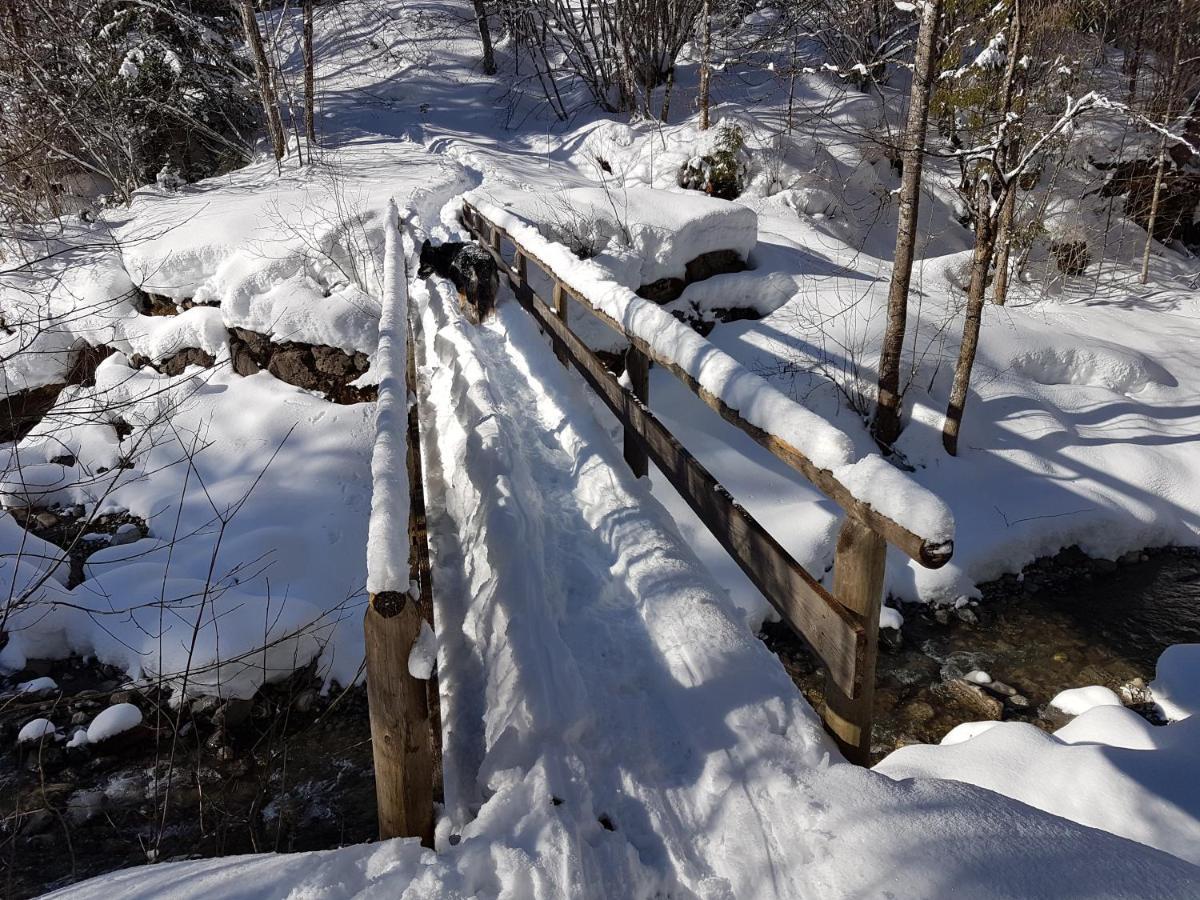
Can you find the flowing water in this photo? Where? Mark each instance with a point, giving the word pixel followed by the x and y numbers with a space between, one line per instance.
pixel 1067 621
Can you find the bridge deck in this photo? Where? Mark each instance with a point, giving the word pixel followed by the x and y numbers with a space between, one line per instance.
pixel 587 654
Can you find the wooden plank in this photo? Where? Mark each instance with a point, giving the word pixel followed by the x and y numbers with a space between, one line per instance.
pixel 931 554
pixel 559 301
pixel 637 367
pixel 836 635
pixel 858 583
pixel 421 569
pixel 399 711
pixel 522 267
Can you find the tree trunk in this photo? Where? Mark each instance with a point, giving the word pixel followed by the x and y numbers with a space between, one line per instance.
pixel 1008 210
pixel 981 262
pixel 310 125
pixel 485 37
pixel 887 410
pixel 987 217
pixel 1135 59
pixel 1003 246
pixel 1160 169
pixel 262 70
pixel 705 62
pixel 666 104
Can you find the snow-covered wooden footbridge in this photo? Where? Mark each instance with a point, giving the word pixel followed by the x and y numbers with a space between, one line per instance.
pixel 560 589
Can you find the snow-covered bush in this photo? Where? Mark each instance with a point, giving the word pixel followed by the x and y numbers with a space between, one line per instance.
pixel 1071 256
pixel 721 173
pixel 585 230
pixel 107 91
pixel 168 179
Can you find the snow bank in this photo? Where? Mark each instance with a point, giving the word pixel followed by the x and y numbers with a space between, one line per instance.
pixel 655 233
pixel 252 541
pixel 294 256
pixel 1176 685
pixel 1077 701
pixel 1108 768
pixel 76 294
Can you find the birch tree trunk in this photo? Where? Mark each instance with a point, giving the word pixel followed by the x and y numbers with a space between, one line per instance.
pixel 705 62
pixel 887 411
pixel 262 71
pixel 1008 211
pixel 310 125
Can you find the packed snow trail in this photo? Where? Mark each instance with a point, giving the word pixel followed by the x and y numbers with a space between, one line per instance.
pixel 609 657
pixel 612 725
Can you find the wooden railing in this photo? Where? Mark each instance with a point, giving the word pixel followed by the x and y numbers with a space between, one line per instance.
pixel 841 626
pixel 403 742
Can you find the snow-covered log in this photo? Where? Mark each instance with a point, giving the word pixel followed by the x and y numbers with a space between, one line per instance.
pixel 387 535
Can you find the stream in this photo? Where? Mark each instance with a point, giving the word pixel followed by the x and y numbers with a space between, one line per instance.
pixel 1067 621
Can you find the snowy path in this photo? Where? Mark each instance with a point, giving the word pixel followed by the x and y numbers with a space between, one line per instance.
pixel 612 725
pixel 604 655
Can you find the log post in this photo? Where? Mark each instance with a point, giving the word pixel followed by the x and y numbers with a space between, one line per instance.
pixel 637 367
pixel 399 709
pixel 402 737
pixel 858 571
pixel 559 301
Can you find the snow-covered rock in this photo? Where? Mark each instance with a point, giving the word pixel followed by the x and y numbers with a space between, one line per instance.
pixel 1076 701
pixel 36 730
pixel 116 719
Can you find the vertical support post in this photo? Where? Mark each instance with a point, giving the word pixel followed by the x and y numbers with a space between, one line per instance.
pixel 522 268
pixel 559 300
pixel 637 367
pixel 399 709
pixel 496 239
pixel 858 570
pixel 402 738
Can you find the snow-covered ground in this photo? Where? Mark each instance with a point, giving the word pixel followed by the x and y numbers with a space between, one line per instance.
pixel 612 725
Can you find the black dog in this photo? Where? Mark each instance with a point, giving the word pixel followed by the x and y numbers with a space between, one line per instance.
pixel 472 270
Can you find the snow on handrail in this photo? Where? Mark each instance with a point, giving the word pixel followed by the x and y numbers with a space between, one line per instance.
pixel 880 495
pixel 387 530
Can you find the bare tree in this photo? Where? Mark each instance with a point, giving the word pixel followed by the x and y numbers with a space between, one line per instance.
pixel 705 62
pixel 485 37
pixel 1161 163
pixel 262 69
pixel 887 412
pixel 310 125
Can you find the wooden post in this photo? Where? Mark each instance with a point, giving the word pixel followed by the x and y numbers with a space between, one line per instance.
pixel 637 367
pixel 559 301
pixel 399 709
pixel 522 268
pixel 402 738
pixel 858 585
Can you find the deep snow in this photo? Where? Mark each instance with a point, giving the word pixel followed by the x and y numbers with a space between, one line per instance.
pixel 612 725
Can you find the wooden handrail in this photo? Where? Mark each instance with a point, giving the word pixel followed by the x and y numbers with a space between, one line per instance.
pixel 929 553
pixel 400 706
pixel 842 628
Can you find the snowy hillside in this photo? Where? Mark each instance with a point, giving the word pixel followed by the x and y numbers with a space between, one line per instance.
pixel 611 723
